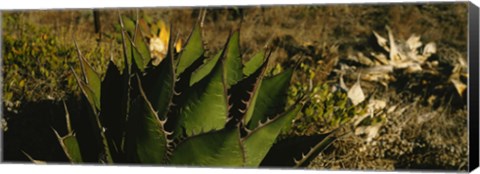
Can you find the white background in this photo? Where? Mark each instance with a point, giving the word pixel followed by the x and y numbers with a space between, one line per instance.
pixel 63 4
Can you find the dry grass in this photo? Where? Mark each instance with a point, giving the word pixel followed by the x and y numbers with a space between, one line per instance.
pixel 346 25
pixel 420 138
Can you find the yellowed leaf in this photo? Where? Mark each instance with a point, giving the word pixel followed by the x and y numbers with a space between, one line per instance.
pixel 459 86
pixel 381 58
pixel 413 42
pixel 392 109
pixel 342 83
pixel 414 67
pixel 21 84
pixel 364 59
pixel 164 32
pixel 370 132
pixel 159 44
pixel 394 56
pixel 429 49
pixel 381 41
pixel 34 160
pixel 376 104
pixel 178 45
pixel 355 94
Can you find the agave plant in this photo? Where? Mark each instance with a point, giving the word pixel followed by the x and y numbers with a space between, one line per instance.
pixel 179 107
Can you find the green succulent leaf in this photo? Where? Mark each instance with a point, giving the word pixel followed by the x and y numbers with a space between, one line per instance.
pixel 69 142
pixel 243 96
pixel 216 148
pixel 259 141
pixel 254 63
pixel 94 83
pixel 89 95
pixel 271 98
pixel 297 151
pixel 141 53
pixel 206 105
pixel 233 61
pixel 159 84
pixel 192 51
pixel 143 25
pixel 90 79
pixel 253 101
pixel 87 92
pixel 146 138
pixel 34 161
pixel 256 91
pixel 128 24
pixel 205 69
pixel 70 146
pixel 113 109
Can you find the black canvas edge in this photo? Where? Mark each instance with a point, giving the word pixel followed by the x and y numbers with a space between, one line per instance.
pixel 1 86
pixel 473 95
pixel 473 80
